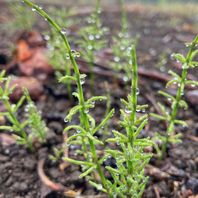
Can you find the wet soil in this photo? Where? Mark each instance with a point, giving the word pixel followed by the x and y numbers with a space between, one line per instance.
pixel 159 36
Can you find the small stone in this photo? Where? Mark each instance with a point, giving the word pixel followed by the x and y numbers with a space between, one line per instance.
pixel 30 164
pixel 192 184
pixel 20 187
pixel 192 96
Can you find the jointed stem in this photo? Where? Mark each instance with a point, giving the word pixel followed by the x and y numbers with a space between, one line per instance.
pixel 83 116
pixel 180 91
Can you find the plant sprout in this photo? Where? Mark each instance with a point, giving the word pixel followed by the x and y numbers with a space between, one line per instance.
pixel 85 131
pixel 180 81
pixel 128 178
pixel 33 123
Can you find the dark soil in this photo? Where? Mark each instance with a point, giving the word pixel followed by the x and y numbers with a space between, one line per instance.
pixel 160 34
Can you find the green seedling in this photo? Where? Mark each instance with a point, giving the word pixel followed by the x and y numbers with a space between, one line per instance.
pixel 92 39
pixel 128 179
pixel 86 129
pixel 33 123
pixel 180 81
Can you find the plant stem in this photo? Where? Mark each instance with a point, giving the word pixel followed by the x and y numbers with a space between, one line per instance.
pixel 180 91
pixel 83 116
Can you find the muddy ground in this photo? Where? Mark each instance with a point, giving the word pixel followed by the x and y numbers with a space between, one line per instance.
pixel 159 35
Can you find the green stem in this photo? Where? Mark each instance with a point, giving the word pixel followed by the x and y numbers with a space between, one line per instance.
pixel 83 116
pixel 180 91
pixel 17 123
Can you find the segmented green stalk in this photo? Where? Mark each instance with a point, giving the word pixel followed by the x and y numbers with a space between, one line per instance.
pixel 176 101
pixel 180 93
pixel 83 115
pixel 128 177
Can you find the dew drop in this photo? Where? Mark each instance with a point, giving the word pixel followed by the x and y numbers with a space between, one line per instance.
pixel 97 36
pixel 63 31
pixel 116 59
pixel 66 120
pixel 122 48
pixel 78 131
pixel 33 9
pixel 75 53
pixel 137 91
pixel 127 111
pixel 125 78
pixel 193 85
pixel 91 37
pixel 99 187
pixel 89 47
pixel 47 37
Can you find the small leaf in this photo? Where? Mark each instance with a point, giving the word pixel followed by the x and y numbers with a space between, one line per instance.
pixel 181 122
pixel 159 117
pixel 180 58
pixel 66 78
pixel 77 162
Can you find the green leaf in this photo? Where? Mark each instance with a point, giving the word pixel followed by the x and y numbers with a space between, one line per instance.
pixel 76 128
pixel 98 186
pixel 183 104
pixel 139 129
pixel 174 75
pixel 181 122
pixel 159 117
pixel 66 78
pixel 180 58
pixel 166 95
pixel 77 162
pixel 104 121
pixel 95 98
pixel 141 119
pixel 9 128
pixel 87 172
pixel 94 139
pixel 72 112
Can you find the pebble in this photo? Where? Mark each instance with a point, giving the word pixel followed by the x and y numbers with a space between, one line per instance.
pixel 20 187
pixel 192 184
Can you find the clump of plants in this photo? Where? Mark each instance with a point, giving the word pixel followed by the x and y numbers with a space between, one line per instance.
pixel 177 101
pixel 127 179
pixel 32 128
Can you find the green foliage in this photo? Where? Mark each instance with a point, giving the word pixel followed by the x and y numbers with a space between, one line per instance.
pixel 33 123
pixel 22 18
pixel 86 129
pixel 92 38
pixel 177 102
pixel 121 46
pixel 128 176
pixel 57 54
